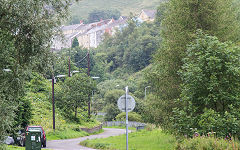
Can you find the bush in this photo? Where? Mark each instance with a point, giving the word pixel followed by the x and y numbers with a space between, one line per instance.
pixel 206 143
pixel 210 90
pixel 132 116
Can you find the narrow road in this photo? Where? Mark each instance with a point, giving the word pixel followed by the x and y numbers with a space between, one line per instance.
pixel 73 144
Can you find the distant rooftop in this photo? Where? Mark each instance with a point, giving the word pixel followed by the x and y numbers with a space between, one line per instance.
pixel 71 27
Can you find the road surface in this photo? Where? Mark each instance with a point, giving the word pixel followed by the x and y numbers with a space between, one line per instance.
pixel 73 144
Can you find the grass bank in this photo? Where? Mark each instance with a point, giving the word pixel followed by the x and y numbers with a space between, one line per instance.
pixel 11 147
pixel 140 140
pixel 70 131
pixel 69 134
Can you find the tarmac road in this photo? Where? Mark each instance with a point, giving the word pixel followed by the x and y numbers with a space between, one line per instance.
pixel 73 144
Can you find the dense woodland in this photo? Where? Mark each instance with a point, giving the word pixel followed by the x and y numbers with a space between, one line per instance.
pixel 187 60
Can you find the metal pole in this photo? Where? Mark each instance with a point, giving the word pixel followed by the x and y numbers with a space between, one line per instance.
pixel 53 102
pixel 146 91
pixel 89 101
pixel 53 98
pixel 126 117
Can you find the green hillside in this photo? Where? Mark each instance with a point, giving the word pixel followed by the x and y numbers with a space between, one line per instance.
pixel 82 8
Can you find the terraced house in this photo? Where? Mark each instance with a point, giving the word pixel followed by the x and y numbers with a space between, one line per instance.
pixel 88 35
pixel 91 35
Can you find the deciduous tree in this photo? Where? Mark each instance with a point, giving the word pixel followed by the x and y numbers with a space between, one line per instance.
pixel 180 21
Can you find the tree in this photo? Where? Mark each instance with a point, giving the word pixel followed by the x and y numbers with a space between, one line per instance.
pixel 131 49
pixel 75 43
pixel 211 87
pixel 97 15
pixel 75 91
pixel 179 23
pixel 110 101
pixel 80 58
pixel 26 29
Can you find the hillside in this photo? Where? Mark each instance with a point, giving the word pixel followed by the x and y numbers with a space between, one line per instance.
pixel 82 8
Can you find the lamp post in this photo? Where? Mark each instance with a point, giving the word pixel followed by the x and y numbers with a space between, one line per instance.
pixel 89 102
pixel 7 70
pixel 53 101
pixel 146 91
pixel 53 98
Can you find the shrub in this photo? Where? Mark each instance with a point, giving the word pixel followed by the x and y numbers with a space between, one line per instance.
pixel 132 116
pixel 210 90
pixel 206 143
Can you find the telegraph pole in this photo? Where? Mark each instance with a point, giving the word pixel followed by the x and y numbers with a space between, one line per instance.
pixel 69 65
pixel 89 101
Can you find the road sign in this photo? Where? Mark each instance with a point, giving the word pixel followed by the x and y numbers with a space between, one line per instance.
pixel 130 103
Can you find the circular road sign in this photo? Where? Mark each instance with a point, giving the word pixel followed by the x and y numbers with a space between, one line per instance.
pixel 130 103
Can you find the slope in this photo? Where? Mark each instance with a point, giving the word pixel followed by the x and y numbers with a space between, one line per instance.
pixel 82 8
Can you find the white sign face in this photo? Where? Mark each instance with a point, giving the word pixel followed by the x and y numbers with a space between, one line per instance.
pixel 130 103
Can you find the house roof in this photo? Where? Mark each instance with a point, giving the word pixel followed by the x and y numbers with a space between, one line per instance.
pixel 150 13
pixel 122 17
pixel 71 27
pixel 117 22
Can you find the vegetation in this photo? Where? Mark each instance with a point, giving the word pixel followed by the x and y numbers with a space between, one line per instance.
pixel 72 96
pixel 75 43
pixel 10 147
pixel 68 133
pixel 187 59
pixel 82 9
pixel 179 22
pixel 98 15
pixel 207 142
pixel 130 50
pixel 132 116
pixel 141 140
pixel 210 100
pixel 26 27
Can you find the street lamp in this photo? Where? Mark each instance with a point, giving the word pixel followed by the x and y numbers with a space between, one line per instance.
pixel 95 77
pixel 74 71
pixel 7 70
pixel 89 102
pixel 146 91
pixel 53 98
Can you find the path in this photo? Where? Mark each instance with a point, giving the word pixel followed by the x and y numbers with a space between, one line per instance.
pixel 73 144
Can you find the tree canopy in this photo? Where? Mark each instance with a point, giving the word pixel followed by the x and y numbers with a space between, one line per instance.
pixel 210 89
pixel 26 30
pixel 179 22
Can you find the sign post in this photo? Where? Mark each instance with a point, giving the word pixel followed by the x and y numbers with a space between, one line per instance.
pixel 126 103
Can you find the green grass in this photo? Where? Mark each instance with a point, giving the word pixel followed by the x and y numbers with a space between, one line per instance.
pixel 11 147
pixel 42 116
pixel 65 134
pixel 71 131
pixel 84 7
pixel 141 140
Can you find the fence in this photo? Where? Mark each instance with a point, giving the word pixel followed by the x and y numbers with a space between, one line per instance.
pixel 123 123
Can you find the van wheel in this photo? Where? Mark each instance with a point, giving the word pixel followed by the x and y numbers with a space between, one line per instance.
pixel 44 143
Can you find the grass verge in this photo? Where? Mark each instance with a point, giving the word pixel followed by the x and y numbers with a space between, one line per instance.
pixel 11 147
pixel 69 133
pixel 65 134
pixel 141 140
